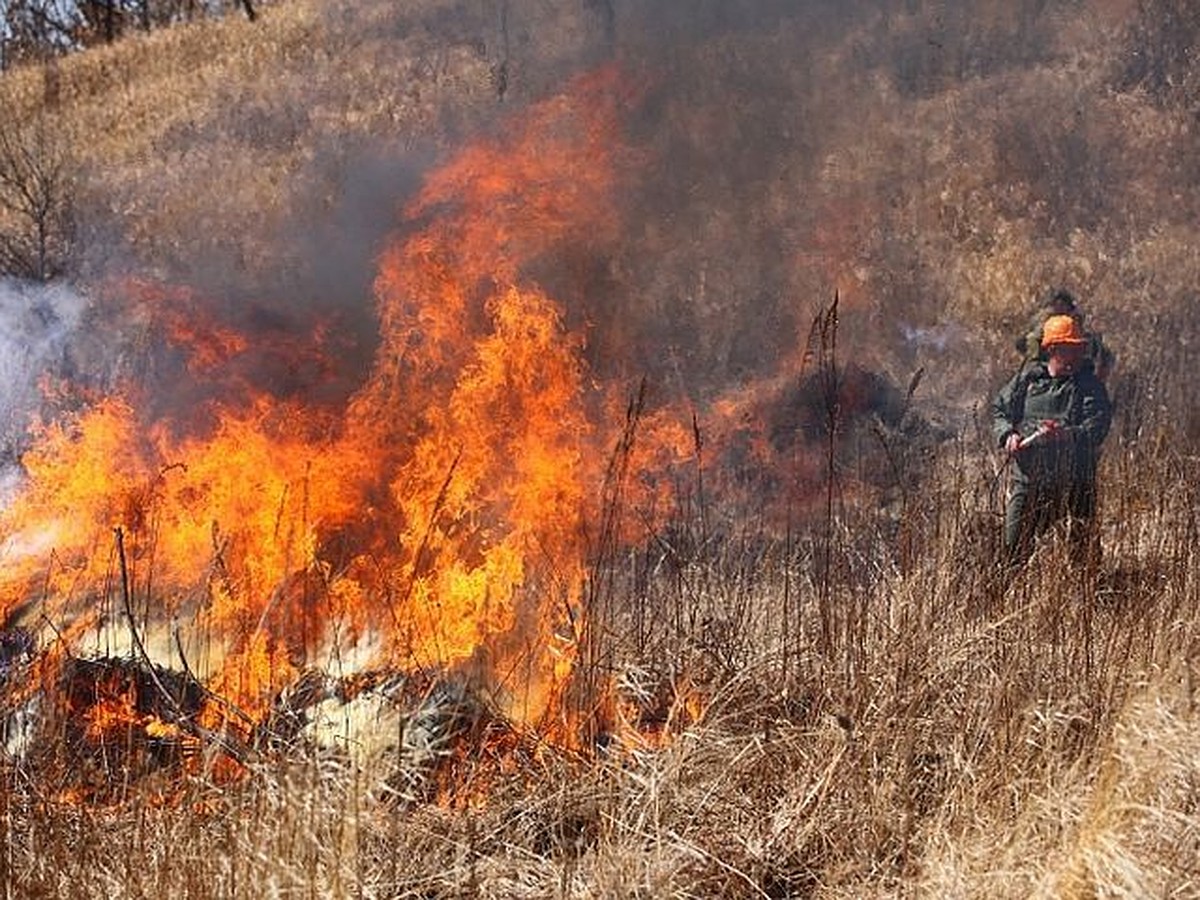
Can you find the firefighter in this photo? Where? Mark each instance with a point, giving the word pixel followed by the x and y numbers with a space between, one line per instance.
pixel 1051 419
pixel 1061 302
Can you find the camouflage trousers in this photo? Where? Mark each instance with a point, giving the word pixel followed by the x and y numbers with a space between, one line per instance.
pixel 1035 507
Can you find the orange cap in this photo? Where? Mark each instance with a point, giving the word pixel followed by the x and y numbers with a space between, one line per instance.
pixel 1061 330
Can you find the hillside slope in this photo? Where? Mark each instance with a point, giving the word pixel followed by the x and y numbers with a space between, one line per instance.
pixel 493 340
pixel 938 169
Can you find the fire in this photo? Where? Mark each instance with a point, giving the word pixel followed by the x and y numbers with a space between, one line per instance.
pixel 208 345
pixel 437 522
pixel 478 516
pixel 441 523
pixel 479 394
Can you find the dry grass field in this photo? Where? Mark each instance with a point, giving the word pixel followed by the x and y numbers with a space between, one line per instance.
pixel 537 449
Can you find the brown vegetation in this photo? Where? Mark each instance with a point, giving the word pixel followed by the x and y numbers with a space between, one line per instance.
pixel 855 705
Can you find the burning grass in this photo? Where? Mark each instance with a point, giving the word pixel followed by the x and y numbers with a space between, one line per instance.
pixel 455 627
pixel 943 733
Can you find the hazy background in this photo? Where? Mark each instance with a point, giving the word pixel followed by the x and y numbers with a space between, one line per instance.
pixel 935 166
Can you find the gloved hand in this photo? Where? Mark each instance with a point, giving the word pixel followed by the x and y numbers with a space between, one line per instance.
pixel 1052 430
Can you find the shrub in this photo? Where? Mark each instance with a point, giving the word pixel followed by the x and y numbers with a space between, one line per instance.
pixel 37 182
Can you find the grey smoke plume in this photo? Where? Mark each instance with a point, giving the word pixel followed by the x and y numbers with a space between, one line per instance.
pixel 37 325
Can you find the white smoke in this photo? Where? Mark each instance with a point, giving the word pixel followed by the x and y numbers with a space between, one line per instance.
pixel 37 325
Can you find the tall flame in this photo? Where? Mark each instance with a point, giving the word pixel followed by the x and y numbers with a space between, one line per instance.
pixel 436 522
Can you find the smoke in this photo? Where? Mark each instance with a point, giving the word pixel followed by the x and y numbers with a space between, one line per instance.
pixel 930 168
pixel 38 326
pixel 933 167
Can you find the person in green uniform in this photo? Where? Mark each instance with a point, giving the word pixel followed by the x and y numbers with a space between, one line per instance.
pixel 1051 419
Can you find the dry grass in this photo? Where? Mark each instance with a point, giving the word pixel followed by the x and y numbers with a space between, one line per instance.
pixel 956 737
pixel 893 721
pixel 242 111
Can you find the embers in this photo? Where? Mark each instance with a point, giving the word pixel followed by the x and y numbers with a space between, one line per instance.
pixel 89 728
pixel 92 730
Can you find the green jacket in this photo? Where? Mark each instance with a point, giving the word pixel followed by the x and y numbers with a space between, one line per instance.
pixel 1079 403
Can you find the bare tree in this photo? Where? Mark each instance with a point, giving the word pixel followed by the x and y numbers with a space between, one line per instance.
pixel 34 30
pixel 37 185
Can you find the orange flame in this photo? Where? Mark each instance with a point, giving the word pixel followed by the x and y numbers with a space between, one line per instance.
pixel 438 520
pixel 438 523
